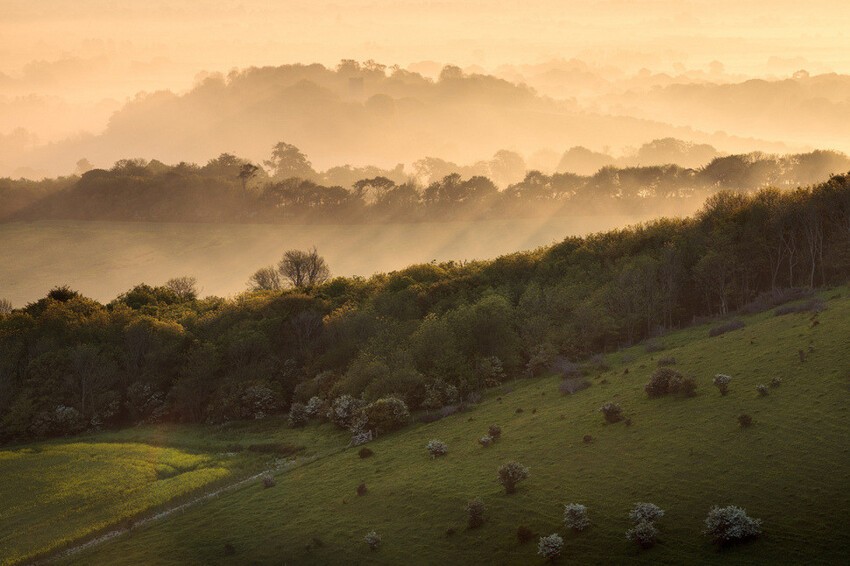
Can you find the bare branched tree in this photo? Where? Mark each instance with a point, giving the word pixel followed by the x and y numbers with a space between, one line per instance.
pixel 186 287
pixel 304 269
pixel 265 279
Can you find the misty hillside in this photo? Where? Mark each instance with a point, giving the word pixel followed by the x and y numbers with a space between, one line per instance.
pixel 441 282
pixel 354 113
pixel 797 110
pixel 288 189
pixel 162 352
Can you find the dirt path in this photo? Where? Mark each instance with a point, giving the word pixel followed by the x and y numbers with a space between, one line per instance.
pixel 109 535
pixel 157 517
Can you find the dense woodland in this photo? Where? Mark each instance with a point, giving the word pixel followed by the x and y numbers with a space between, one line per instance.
pixel 289 190
pixel 430 334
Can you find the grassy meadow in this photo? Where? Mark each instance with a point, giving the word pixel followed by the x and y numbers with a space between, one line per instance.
pixel 790 469
pixel 59 492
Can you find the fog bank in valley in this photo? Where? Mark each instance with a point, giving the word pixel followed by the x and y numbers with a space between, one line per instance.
pixel 104 259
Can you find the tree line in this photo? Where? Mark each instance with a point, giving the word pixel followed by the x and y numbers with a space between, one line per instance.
pixel 429 334
pixel 289 190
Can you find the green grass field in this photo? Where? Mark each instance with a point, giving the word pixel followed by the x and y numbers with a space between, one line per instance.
pixel 59 492
pixel 790 469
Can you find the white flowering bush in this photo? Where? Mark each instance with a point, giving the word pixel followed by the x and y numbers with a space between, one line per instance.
pixel 721 381
pixel 762 390
pixel 643 517
pixel 314 406
pixel 726 525
pixel 485 440
pixel 344 410
pixel 550 547
pixel 358 424
pixel 373 539
pixel 644 533
pixel 259 401
pixel 437 448
pixel 575 516
pixel 649 512
pixel 298 415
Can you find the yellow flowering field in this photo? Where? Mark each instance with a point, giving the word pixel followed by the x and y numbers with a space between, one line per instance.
pixel 53 494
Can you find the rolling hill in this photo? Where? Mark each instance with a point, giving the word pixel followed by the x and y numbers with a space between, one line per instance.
pixel 788 469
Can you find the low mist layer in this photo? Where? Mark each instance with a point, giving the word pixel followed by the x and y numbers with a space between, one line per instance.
pixel 104 259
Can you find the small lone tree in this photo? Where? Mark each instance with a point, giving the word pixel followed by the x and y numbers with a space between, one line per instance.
pixel 373 539
pixel 643 517
pixel 510 474
pixel 612 412
pixel 550 547
pixel 304 269
pixel 727 525
pixel 247 172
pixel 575 517
pixel 437 448
pixel 475 510
pixel 186 287
pixel 667 381
pixel 495 432
pixel 721 381
pixel 288 161
pixel 659 383
pixel 644 533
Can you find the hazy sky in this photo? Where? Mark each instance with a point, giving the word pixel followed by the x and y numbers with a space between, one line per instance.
pixel 166 39
pixel 67 65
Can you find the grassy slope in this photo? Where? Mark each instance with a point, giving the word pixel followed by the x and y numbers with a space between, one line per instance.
pixel 98 481
pixel 84 487
pixel 790 469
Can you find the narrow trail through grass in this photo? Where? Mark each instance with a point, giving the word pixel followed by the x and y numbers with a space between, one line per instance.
pixel 62 494
pixel 165 513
